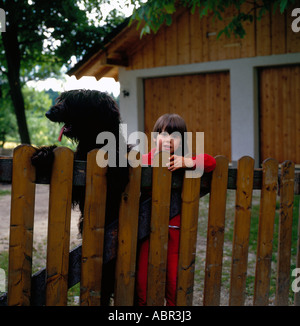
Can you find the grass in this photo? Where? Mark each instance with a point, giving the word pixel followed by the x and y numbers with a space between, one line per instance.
pixel 228 238
pixel 253 240
pixel 73 293
pixel 4 265
pixel 5 192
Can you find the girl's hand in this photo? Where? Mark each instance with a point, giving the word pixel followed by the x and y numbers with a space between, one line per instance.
pixel 178 162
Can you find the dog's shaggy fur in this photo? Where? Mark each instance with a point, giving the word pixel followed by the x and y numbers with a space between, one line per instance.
pixel 85 114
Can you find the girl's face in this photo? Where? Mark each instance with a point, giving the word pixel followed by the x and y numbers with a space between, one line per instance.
pixel 169 143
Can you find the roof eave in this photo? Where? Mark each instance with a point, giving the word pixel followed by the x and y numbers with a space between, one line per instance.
pixel 98 59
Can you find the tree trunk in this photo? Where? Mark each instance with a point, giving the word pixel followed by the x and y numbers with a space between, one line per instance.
pixel 12 53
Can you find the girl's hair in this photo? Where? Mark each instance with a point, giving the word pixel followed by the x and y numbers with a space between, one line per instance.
pixel 171 122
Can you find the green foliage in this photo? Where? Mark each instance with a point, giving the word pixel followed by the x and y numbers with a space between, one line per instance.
pixel 41 37
pixel 36 102
pixel 4 265
pixel 42 130
pixel 4 192
pixel 8 124
pixel 50 32
pixel 155 13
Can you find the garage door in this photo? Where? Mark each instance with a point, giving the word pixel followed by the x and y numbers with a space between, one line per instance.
pixel 280 113
pixel 202 100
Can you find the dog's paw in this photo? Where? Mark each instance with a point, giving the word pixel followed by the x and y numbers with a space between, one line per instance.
pixel 43 157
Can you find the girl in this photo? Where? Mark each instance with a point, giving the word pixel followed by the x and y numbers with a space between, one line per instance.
pixel 164 127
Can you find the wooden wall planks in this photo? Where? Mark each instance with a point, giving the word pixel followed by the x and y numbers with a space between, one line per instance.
pixel 202 100
pixel 191 40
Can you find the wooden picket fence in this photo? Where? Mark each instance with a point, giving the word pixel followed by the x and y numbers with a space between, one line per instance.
pixel 84 264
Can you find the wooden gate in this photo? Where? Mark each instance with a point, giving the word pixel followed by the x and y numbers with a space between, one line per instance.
pixel 84 264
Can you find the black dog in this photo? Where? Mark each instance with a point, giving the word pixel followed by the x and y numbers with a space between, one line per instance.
pixel 85 114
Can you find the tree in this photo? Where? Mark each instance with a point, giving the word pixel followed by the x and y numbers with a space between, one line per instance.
pixel 41 36
pixel 7 117
pixel 155 13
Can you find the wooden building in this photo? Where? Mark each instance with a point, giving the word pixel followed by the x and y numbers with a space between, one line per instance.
pixel 244 94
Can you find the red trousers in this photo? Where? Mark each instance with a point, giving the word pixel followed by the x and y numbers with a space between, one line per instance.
pixel 172 265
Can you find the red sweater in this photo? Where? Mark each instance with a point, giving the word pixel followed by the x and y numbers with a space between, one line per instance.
pixel 209 161
pixel 173 244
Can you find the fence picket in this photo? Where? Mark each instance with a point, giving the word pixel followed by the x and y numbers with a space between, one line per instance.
pixel 59 227
pixel 244 184
pixel 161 191
pixel 265 232
pixel 188 239
pixel 285 233
pixel 297 293
pixel 127 240
pixel 21 227
pixel 93 232
pixel 215 233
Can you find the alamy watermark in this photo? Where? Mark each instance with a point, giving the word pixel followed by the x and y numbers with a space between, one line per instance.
pixel 296 22
pixel 107 155
pixel 296 281
pixel 2 20
pixel 2 280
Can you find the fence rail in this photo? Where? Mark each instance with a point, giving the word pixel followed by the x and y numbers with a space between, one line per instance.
pixel 84 264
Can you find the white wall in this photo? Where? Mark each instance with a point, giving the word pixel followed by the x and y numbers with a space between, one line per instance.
pixel 243 92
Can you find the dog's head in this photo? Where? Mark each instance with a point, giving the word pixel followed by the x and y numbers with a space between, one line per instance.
pixel 84 114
